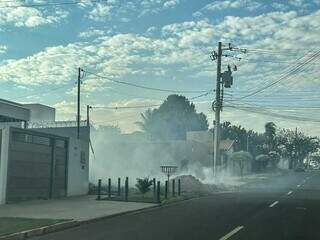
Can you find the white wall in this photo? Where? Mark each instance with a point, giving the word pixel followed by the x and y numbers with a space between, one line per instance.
pixel 39 112
pixel 4 163
pixel 78 172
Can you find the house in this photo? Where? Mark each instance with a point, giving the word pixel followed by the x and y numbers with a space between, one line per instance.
pixel 226 146
pixel 40 158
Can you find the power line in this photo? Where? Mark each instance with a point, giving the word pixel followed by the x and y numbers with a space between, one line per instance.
pixel 293 71
pixel 143 106
pixel 50 4
pixel 145 87
pixel 276 115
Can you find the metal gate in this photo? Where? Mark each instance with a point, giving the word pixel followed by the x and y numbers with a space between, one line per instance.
pixel 37 167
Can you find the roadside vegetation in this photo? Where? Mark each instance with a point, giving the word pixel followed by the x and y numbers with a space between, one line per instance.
pixel 9 225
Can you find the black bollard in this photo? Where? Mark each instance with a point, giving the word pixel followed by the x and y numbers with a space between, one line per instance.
pixel 126 190
pixel 173 187
pixel 154 187
pixel 119 186
pixel 109 187
pixel 99 190
pixel 179 187
pixel 166 190
pixel 158 192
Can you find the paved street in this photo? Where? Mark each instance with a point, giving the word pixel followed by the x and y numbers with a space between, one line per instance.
pixel 285 207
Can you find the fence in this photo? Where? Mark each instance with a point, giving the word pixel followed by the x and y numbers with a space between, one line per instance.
pixel 124 193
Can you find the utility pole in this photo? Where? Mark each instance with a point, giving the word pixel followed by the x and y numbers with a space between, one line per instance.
pixel 78 102
pixel 217 108
pixel 88 115
pixel 224 80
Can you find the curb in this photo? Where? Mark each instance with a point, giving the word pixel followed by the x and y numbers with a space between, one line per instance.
pixel 131 212
pixel 70 224
pixel 40 231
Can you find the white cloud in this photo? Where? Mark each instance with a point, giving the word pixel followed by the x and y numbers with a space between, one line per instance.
pixel 221 5
pixel 185 44
pixel 28 16
pixel 170 3
pixel 100 12
pixel 91 33
pixel 3 49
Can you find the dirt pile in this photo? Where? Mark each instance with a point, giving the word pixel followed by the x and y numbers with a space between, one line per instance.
pixel 191 184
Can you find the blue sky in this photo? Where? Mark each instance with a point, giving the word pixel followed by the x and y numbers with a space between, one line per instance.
pixel 163 44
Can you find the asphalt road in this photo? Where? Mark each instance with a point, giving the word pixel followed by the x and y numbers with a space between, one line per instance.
pixel 286 207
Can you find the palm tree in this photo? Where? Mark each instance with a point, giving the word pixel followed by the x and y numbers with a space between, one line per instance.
pixel 146 124
pixel 270 133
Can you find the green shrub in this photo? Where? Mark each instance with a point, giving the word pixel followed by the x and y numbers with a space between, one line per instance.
pixel 143 184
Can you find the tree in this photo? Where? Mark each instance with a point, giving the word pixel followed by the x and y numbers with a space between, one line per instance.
pixel 241 158
pixel 143 184
pixel 173 119
pixel 242 137
pixel 295 146
pixel 270 133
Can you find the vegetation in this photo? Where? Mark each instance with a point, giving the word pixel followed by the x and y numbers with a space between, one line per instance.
pixel 177 115
pixel 241 159
pixel 272 145
pixel 10 225
pixel 143 184
pixel 173 119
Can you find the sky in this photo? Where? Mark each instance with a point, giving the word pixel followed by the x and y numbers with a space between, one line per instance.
pixel 164 46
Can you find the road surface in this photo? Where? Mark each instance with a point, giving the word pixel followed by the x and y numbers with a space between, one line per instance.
pixel 286 207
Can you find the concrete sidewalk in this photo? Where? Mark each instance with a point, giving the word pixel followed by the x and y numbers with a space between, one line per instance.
pixel 83 208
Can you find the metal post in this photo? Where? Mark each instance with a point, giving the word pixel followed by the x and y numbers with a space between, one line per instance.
pixel 158 193
pixel 166 190
pixel 154 187
pixel 99 190
pixel 119 186
pixel 179 187
pixel 126 190
pixel 88 115
pixel 109 187
pixel 216 142
pixel 173 187
pixel 78 103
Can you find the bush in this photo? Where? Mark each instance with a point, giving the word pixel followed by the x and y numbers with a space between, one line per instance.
pixel 143 184
pixel 261 162
pixel 274 158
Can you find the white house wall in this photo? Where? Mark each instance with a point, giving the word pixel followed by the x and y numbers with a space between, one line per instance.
pixel 4 163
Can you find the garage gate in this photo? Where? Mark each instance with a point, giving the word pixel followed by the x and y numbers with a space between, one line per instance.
pixel 37 167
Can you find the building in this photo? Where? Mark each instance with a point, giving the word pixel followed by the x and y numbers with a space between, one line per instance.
pixel 39 157
pixel 206 137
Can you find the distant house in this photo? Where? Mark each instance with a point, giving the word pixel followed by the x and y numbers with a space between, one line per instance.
pixel 206 137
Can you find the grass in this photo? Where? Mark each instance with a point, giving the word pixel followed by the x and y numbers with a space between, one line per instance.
pixel 149 197
pixel 9 225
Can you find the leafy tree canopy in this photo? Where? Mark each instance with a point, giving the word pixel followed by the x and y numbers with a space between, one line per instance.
pixel 173 119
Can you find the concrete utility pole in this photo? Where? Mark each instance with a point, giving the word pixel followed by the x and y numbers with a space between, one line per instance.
pixel 78 102
pixel 217 108
pixel 224 80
